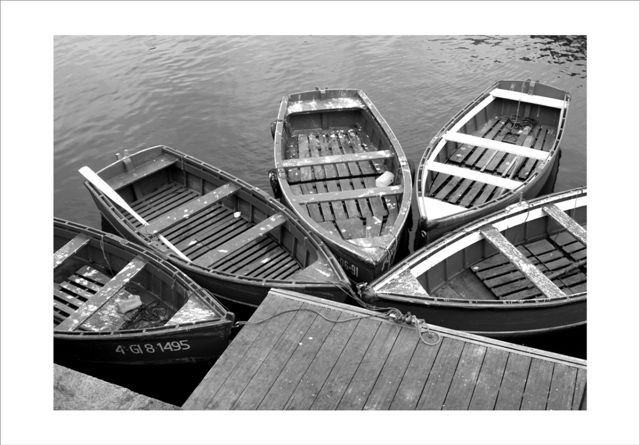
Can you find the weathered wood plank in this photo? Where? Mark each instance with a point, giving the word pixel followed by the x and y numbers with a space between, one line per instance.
pixel 465 377
pixel 536 389
pixel 351 228
pixel 513 381
pixel 441 375
pixel 338 159
pixel 346 366
pixel 562 387
pixel 487 387
pixel 70 249
pixel 264 377
pixel 342 195
pixel 186 211
pixel 473 175
pixel 375 202
pixel 393 371
pixel 567 222
pixel 323 363
pixel 356 394
pixel 366 167
pixel 98 300
pixel 314 209
pixel 289 378
pixel 306 173
pixel 522 263
pixel 496 145
pixel 254 233
pixel 314 149
pixel 336 205
pixel 581 387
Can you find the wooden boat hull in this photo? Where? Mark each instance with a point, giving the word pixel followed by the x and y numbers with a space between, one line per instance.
pixel 330 146
pixel 500 149
pixel 191 339
pixel 232 288
pixel 475 280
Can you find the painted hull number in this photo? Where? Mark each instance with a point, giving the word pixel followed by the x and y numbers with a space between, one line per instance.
pixel 152 348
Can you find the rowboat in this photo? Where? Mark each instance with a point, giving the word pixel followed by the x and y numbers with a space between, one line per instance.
pixel 343 172
pixel 115 302
pixel 517 272
pixel 229 236
pixel 502 148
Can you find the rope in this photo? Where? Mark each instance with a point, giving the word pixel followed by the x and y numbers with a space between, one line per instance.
pixel 104 255
pixel 392 314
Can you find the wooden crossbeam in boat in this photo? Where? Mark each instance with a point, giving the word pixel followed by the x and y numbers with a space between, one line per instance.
pixel 252 234
pixel 496 145
pixel 349 194
pixel 567 222
pixel 470 115
pixel 146 169
pixel 529 98
pixel 333 159
pixel 70 249
pixel 473 175
pixel 108 291
pixel 191 207
pixel 537 278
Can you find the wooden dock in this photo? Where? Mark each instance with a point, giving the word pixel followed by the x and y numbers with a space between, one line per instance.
pixel 74 390
pixel 289 356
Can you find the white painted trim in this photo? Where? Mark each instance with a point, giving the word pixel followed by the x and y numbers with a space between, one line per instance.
pixel 473 175
pixel 519 150
pixel 475 110
pixel 436 209
pixel 529 98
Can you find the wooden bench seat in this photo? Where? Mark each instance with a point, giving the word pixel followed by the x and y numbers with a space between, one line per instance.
pixel 241 240
pixel 533 274
pixel 567 222
pixel 99 299
pixel 340 158
pixel 141 171
pixel 71 248
pixel 528 98
pixel 185 211
pixel 473 175
pixel 349 194
pixel 476 141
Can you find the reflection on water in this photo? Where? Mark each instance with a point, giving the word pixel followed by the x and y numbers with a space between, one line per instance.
pixel 215 96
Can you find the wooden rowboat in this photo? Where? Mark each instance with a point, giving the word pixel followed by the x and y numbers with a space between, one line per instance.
pixel 96 275
pixel 503 147
pixel 229 236
pixel 520 271
pixel 333 152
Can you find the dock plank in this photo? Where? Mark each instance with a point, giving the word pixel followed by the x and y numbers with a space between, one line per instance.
pixel 288 356
pixel 513 382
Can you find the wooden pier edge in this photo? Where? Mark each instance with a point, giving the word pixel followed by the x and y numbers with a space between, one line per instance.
pixel 289 357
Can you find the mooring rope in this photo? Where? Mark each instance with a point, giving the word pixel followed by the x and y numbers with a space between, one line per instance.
pixel 393 314
pixel 104 254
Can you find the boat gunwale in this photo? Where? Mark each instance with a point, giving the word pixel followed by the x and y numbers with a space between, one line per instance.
pixel 405 205
pixel 208 297
pixel 427 251
pixel 256 192
pixel 495 202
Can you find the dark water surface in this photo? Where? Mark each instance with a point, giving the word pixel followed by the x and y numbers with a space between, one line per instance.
pixel 215 96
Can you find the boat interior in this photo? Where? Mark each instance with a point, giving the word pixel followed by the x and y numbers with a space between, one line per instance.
pixel 332 158
pixel 544 257
pixel 215 222
pixel 94 276
pixel 493 148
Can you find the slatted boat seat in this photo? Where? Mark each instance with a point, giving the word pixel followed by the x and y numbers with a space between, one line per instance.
pixel 70 249
pixel 334 159
pixel 568 223
pixel 531 271
pixel 100 298
pixel 476 141
pixel 349 194
pixel 148 168
pixel 185 211
pixel 259 230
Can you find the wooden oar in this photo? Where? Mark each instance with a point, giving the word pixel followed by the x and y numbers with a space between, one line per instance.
pixel 105 188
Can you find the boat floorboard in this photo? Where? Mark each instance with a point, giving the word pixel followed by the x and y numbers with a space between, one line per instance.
pixel 561 257
pixel 348 215
pixel 210 228
pixel 468 193
pixel 299 352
